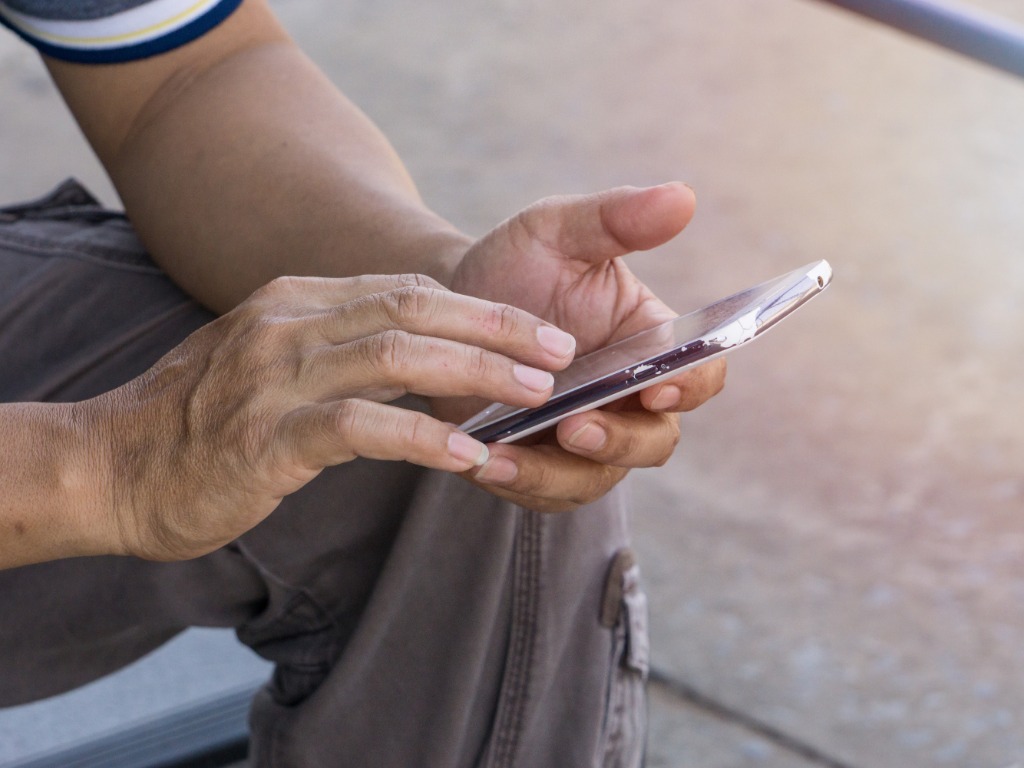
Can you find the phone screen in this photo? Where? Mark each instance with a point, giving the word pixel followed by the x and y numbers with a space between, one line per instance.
pixel 640 361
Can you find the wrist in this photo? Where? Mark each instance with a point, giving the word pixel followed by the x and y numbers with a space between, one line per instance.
pixel 54 488
pixel 442 254
pixel 82 477
pixel 90 477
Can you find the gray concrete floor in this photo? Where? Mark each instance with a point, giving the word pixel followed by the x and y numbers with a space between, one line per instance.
pixel 835 555
pixel 197 666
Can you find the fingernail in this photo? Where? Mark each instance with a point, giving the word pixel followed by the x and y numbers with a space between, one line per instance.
pixel 670 184
pixel 669 396
pixel 497 470
pixel 533 378
pixel 465 448
pixel 590 437
pixel 555 341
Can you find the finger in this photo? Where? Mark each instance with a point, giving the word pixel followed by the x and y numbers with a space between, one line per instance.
pixel 428 311
pixel 545 477
pixel 317 293
pixel 624 439
pixel 600 227
pixel 389 364
pixel 535 503
pixel 325 435
pixel 688 390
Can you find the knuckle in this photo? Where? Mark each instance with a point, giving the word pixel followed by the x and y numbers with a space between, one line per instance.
pixel 478 363
pixel 246 315
pixel 505 320
pixel 535 479
pixel 349 417
pixel 631 445
pixel 404 306
pixel 414 280
pixel 539 483
pixel 624 442
pixel 391 350
pixel 702 383
pixel 675 432
pixel 305 367
pixel 269 338
pixel 285 285
pixel 420 431
pixel 719 376
pixel 601 480
pixel 260 324
pixel 254 335
pixel 673 436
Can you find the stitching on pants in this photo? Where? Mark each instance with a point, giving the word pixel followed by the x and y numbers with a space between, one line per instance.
pixel 526 599
pixel 105 254
pixel 53 226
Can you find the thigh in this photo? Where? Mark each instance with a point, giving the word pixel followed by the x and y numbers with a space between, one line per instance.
pixel 82 310
pixel 82 307
pixel 480 634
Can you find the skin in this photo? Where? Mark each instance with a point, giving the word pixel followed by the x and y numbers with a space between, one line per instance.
pixel 566 256
pixel 266 171
pixel 250 408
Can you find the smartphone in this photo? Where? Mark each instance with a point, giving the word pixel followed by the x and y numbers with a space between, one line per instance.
pixel 643 360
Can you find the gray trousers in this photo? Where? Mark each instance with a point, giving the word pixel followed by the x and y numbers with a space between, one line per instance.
pixel 413 620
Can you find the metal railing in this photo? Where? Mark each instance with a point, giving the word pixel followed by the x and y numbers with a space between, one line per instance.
pixel 980 35
pixel 208 734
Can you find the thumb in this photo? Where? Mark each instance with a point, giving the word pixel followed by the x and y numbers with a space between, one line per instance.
pixel 612 223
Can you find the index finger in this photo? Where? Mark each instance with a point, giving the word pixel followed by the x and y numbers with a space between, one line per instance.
pixel 444 314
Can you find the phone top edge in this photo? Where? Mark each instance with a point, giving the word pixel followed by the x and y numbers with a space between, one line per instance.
pixel 820 272
pixel 817 277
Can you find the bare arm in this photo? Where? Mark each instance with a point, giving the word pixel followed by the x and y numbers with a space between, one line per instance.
pixel 238 161
pixel 197 450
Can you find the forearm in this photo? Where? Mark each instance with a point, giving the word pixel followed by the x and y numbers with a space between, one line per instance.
pixel 50 507
pixel 253 165
pixel 291 179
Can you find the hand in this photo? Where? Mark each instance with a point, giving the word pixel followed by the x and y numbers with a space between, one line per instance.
pixel 254 405
pixel 560 260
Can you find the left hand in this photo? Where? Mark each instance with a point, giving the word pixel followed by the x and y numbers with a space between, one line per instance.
pixel 560 260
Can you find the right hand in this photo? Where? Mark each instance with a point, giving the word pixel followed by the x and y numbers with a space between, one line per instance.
pixel 253 406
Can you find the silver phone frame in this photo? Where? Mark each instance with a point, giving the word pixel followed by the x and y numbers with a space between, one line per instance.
pixel 727 324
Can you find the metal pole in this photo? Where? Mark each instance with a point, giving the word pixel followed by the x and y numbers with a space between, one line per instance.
pixel 211 733
pixel 982 36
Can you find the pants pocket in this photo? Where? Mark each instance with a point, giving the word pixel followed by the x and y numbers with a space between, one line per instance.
pixel 624 613
pixel 299 637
